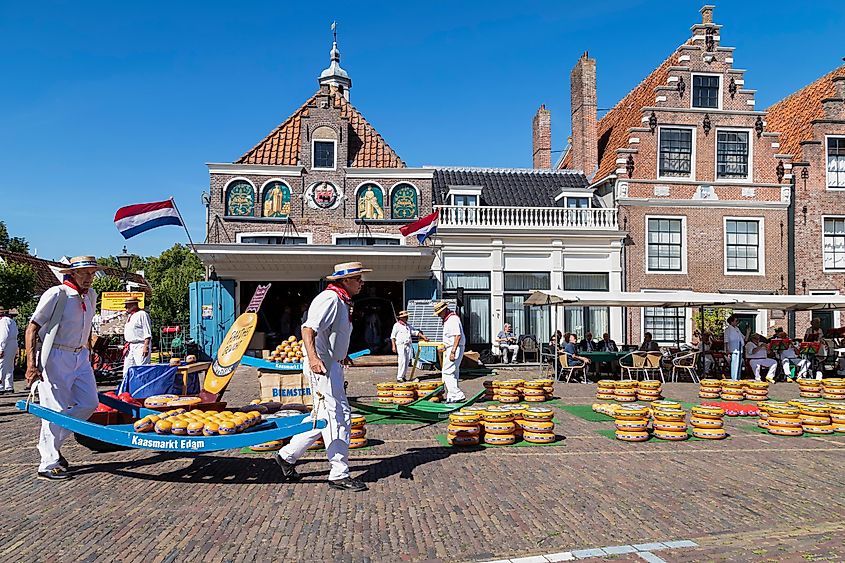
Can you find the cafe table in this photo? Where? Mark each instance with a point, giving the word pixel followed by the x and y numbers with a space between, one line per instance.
pixel 600 357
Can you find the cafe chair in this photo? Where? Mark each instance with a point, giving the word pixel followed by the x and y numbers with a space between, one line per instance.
pixel 570 369
pixel 685 363
pixel 632 365
pixel 652 365
pixel 528 345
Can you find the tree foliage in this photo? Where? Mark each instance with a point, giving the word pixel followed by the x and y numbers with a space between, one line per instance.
pixel 169 275
pixel 17 284
pixel 12 244
pixel 714 319
pixel 106 283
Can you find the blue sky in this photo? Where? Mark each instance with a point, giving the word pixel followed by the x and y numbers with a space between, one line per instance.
pixel 110 103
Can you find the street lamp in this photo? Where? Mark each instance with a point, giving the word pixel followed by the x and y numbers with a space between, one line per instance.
pixel 124 260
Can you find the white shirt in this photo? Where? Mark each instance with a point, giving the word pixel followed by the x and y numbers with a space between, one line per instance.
pixel 402 333
pixel 733 339
pixel 328 316
pixel 752 355
pixel 138 327
pixel 75 324
pixel 452 328
pixel 8 334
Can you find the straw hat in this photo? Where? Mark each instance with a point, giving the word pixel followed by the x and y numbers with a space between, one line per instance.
pixel 347 270
pixel 130 300
pixel 3 310
pixel 402 315
pixel 439 307
pixel 78 263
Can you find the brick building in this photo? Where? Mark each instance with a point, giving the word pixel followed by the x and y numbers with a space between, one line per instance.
pixel 697 174
pixel 811 123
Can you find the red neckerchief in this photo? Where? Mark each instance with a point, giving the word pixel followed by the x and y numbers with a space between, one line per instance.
pixel 344 296
pixel 451 314
pixel 69 282
pixel 401 322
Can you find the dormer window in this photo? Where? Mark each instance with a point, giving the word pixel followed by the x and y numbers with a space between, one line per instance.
pixel 705 91
pixel 465 199
pixel 578 202
pixel 324 155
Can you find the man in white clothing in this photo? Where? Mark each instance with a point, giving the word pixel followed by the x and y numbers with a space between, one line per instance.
pixel 400 338
pixel 734 343
pixel 62 322
pixel 506 342
pixel 8 351
pixel 757 355
pixel 455 341
pixel 325 333
pixel 790 356
pixel 138 334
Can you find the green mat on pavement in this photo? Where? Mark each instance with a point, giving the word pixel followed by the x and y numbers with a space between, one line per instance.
pixel 611 433
pixel 441 439
pixel 375 418
pixel 758 430
pixel 585 412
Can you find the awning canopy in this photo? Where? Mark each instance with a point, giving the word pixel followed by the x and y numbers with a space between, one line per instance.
pixel 685 298
pixel 307 262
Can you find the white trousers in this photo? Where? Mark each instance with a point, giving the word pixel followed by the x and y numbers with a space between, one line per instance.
pixel 135 357
pixel 330 404
pixel 69 387
pixel 7 368
pixel 504 348
pixel 802 365
pixel 451 374
pixel 757 363
pixel 405 354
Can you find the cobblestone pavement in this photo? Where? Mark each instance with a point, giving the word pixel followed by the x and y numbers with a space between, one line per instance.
pixel 752 497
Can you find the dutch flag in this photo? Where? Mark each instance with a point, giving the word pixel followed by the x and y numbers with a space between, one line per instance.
pixel 135 219
pixel 422 228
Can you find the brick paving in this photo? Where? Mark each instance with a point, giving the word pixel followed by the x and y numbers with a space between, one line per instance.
pixel 753 497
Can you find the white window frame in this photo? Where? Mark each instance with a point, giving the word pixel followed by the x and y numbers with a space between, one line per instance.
pixel 687 318
pixel 336 236
pixel 825 218
pixel 692 88
pixel 761 245
pixel 837 323
pixel 684 246
pixel 691 177
pixel 826 181
pixel 334 151
pixel 309 237
pixel 749 178
pixel 467 190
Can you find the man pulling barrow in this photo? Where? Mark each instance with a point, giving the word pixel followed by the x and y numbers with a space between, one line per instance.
pixel 325 333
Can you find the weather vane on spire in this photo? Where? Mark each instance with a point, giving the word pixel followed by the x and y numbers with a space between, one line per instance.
pixel 334 30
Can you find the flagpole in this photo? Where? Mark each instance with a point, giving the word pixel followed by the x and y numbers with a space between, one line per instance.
pixel 184 225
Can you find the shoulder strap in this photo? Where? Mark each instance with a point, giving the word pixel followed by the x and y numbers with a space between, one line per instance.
pixel 53 327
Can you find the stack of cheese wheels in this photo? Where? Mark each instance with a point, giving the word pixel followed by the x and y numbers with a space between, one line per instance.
pixel 833 389
pixel 606 390
pixel 625 391
pixel 404 393
pixel 534 391
pixel 649 390
pixel 198 423
pixel 464 428
pixel 537 425
pixel 810 388
pixel 426 387
pixel 669 423
pixel 631 423
pixel 517 411
pixel 548 387
pixel 732 390
pixel 499 427
pixel 815 418
pixel 507 391
pixel 837 417
pixel 708 422
pixel 710 389
pixel 783 420
pixel 756 390
pixel 384 392
pixel 357 431
pixel 488 390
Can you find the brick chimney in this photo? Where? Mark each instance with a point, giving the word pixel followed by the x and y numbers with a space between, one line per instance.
pixel 541 135
pixel 707 14
pixel 584 125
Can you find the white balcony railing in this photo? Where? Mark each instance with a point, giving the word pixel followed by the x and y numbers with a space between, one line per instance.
pixel 540 218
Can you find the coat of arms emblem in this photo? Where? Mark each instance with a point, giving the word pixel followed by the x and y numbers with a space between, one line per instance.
pixel 323 195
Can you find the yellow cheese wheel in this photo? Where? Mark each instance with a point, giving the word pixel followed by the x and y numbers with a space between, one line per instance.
pixel 833 396
pixel 357 443
pixel 731 384
pixel 210 429
pixel 403 401
pixel 163 427
pixel 621 399
pixel 536 398
pixel 356 433
pixel 505 392
pixel 385 386
pixel 509 399
pixel 463 441
pixel 195 428
pixel 317 445
pixel 650 384
pixel 756 396
pixel 670 414
pixel 631 436
pixel 711 383
pixel 626 385
pixel 464 418
pixel 810 395
pixel 464 430
pixel 631 412
pixel 404 393
pixel 762 385
pixel 499 427
pixel 763 423
pixel 536 384
pixel 625 392
pixel 814 419
pixel 816 409
pixel 666 404
pixel 838 427
pixel 783 421
pixel 144 424
pixel 179 427
pixel 709 433
pixel 510 384
pixel 700 422
pixel 267 446
pixel 539 437
pixel 818 428
pixel 499 439
pixel 670 435
pixel 184 402
pixel 837 418
pixel 534 392
pixel 639 425
pixel 387 399
pixel 785 431
pixel 357 420
pixel 605 396
pixel 709 395
pixel 783 411
pixel 541 426
pixel 538 413
pixel 497 415
pixel 703 411
pixel 732 396
pixel 606 383
pixel 669 425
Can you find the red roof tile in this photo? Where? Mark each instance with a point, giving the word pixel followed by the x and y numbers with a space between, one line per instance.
pixel 792 117
pixel 367 149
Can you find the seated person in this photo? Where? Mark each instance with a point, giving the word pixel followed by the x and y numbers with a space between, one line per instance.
pixel 506 341
pixel 757 356
pixel 606 344
pixel 557 340
pixel 587 345
pixel 814 332
pixel 648 344
pixel 571 351
pixel 790 356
